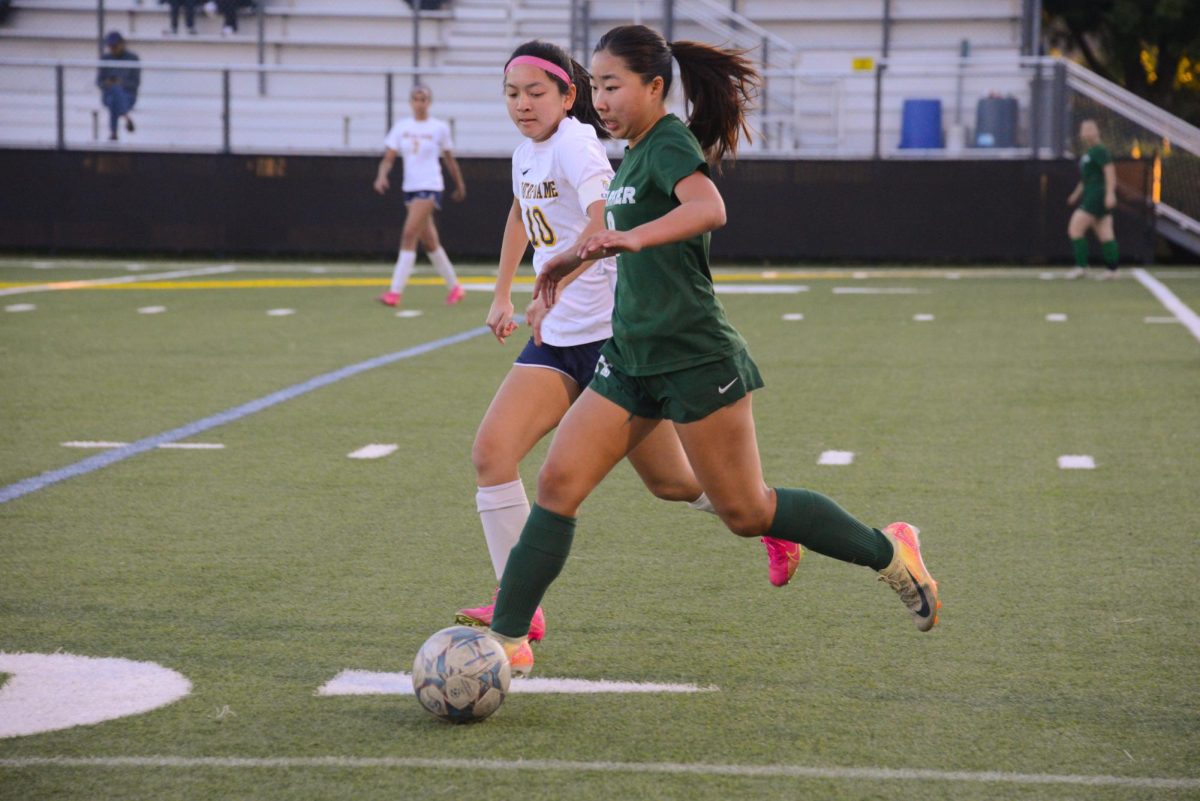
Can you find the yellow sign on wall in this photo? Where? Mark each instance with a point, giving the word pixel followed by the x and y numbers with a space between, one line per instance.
pixel 863 64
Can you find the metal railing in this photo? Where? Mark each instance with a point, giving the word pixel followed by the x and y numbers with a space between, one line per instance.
pixel 838 114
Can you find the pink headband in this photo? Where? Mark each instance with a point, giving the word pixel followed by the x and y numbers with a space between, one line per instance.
pixel 541 63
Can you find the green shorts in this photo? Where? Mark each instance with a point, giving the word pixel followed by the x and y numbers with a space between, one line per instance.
pixel 683 396
pixel 1095 207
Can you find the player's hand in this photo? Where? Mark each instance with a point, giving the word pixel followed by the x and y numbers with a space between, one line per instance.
pixel 500 320
pixel 459 194
pixel 553 271
pixel 382 185
pixel 1110 201
pixel 608 243
pixel 535 313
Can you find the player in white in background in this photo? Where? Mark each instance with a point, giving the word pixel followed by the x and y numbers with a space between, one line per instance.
pixel 560 179
pixel 423 142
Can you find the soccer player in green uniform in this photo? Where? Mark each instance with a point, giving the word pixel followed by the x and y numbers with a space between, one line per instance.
pixel 1098 189
pixel 673 358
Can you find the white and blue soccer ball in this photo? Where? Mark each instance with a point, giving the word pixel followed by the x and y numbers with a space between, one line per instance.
pixel 461 675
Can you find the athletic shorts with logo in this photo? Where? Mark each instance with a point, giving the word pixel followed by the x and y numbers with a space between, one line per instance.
pixel 682 396
pixel 575 361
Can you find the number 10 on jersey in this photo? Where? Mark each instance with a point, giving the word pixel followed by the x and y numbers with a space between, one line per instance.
pixel 539 230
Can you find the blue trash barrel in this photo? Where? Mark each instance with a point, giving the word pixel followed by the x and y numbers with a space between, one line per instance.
pixel 996 122
pixel 921 124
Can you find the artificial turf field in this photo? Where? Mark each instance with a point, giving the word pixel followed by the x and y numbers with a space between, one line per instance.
pixel 1066 664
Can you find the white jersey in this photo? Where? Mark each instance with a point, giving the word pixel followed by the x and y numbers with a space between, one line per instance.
pixel 555 181
pixel 420 143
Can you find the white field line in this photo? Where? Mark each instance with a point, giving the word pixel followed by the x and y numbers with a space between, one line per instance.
pixel 866 290
pixel 1077 462
pixel 836 457
pixel 759 289
pixel 1169 300
pixel 1056 317
pixel 643 768
pixel 120 279
pixel 923 318
pixel 367 682
pixel 373 451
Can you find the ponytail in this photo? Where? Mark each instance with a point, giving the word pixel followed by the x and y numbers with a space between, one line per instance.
pixel 718 85
pixel 582 109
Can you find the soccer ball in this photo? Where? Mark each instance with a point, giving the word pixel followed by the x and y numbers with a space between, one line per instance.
pixel 461 675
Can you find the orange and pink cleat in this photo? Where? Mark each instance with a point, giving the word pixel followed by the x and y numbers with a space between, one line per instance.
pixel 909 577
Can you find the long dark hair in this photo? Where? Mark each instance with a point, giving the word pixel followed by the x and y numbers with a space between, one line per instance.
pixel 719 85
pixel 582 109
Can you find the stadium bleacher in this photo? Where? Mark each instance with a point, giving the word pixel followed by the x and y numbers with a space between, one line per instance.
pixel 827 106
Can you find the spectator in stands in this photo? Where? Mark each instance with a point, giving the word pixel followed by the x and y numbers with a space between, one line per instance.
pixel 118 85
pixel 229 10
pixel 189 15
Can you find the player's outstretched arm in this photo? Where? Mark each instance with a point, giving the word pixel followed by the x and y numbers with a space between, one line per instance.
pixel 460 188
pixel 512 250
pixel 701 209
pixel 382 185
pixel 1073 198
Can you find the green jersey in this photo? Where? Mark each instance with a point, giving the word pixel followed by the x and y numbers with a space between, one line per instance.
pixel 1091 173
pixel 666 315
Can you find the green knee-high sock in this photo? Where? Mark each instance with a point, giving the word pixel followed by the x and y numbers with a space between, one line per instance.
pixel 818 523
pixel 1080 248
pixel 532 566
pixel 1111 254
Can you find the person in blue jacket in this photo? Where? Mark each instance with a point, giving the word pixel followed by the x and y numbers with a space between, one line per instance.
pixel 118 85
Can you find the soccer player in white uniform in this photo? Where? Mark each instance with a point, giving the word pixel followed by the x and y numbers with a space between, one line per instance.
pixel 560 181
pixel 423 142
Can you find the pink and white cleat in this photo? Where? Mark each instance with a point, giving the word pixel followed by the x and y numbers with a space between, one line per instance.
pixel 482 616
pixel 456 294
pixel 390 298
pixel 783 558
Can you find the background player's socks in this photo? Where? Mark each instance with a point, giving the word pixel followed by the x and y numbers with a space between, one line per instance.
pixel 533 564
pixel 502 509
pixel 1080 248
pixel 441 263
pixel 817 522
pixel 404 268
pixel 1111 254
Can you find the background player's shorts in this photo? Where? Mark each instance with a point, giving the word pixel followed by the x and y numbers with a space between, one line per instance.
pixel 424 194
pixel 1095 207
pixel 683 396
pixel 574 361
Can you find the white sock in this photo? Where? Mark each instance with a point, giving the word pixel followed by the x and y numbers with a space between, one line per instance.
pixel 502 510
pixel 404 268
pixel 441 263
pixel 703 504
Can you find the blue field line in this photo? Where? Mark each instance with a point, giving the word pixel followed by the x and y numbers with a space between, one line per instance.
pixel 93 463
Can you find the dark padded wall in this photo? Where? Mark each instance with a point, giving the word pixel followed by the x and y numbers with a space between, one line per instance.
pixel 781 211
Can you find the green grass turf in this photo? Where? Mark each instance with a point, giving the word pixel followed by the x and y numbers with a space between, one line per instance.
pixel 1067 643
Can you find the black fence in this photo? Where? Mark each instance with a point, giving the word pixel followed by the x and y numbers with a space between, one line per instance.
pixel 779 211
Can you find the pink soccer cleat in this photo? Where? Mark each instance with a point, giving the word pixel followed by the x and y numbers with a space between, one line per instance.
pixel 390 298
pixel 783 558
pixel 456 294
pixel 482 616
